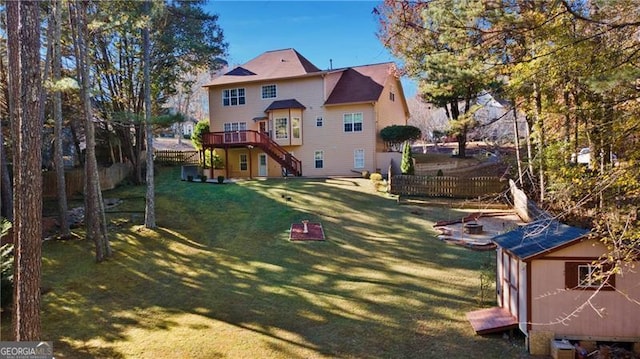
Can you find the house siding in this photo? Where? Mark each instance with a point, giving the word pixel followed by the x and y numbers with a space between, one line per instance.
pixel 338 145
pixel 308 91
pixel 390 112
pixel 311 91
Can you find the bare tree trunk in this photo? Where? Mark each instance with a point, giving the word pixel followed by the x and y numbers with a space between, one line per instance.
pixel 76 143
pixel 23 28
pixel 541 139
pixel 567 124
pixel 150 212
pixel 65 232
pixel 529 151
pixel 94 210
pixel 517 141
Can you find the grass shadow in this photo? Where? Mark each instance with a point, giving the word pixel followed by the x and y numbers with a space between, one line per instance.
pixel 219 278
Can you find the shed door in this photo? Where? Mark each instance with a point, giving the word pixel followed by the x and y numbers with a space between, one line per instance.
pixel 514 272
pixel 506 287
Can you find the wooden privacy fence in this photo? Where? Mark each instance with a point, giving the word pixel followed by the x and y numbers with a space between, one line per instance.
pixel 168 157
pixel 74 179
pixel 454 187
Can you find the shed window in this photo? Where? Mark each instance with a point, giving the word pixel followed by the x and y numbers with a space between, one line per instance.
pixel 585 275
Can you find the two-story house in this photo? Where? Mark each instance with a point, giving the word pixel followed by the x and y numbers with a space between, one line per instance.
pixel 280 113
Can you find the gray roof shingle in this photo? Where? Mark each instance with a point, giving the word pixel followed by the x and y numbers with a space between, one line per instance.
pixel 284 104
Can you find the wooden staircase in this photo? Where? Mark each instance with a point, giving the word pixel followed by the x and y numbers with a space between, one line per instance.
pixel 290 164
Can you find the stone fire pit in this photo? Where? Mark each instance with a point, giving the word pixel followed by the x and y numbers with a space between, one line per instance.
pixel 473 228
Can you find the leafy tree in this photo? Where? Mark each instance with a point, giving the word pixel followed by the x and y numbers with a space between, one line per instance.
pixel 183 39
pixel 201 128
pixel 407 166
pixel 440 45
pixel 395 135
pixel 571 67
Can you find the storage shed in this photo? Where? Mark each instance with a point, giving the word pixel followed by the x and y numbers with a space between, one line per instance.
pixel 545 282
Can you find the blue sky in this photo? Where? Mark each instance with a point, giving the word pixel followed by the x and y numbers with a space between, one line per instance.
pixel 341 31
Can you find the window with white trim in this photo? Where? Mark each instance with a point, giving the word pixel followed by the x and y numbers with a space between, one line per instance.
pixel 319 159
pixel 295 127
pixel 352 122
pixel 233 97
pixel 243 162
pixel 282 128
pixel 319 121
pixel 269 91
pixel 234 126
pixel 358 158
pixel 587 276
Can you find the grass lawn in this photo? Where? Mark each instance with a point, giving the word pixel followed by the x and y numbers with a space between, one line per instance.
pixel 219 278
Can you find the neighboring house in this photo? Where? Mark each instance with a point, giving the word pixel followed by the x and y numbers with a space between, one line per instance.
pixel 545 283
pixel 279 113
pixel 185 128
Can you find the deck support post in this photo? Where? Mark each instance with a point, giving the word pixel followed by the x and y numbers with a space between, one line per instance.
pixel 226 160
pixel 250 166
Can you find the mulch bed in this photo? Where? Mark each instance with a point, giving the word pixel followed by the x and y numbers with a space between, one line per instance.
pixel 314 232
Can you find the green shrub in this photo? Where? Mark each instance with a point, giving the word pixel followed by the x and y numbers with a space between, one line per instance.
pixel 487 279
pixel 394 135
pixel 375 177
pixel 201 128
pixel 440 173
pixel 203 178
pixel 221 179
pixel 406 166
pixel 213 160
pixel 190 178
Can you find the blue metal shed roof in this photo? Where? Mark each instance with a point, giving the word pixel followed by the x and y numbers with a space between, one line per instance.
pixel 538 237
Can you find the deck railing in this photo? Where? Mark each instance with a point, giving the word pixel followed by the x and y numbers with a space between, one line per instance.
pixel 257 139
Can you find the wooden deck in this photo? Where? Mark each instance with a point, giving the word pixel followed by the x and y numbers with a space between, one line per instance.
pixel 492 320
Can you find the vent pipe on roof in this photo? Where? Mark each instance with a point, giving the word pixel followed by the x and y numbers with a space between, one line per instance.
pixel 330 64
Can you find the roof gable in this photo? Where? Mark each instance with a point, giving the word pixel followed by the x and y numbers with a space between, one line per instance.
pixel 270 65
pixel 359 84
pixel 538 237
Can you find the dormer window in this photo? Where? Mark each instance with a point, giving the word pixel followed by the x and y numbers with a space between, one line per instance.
pixel 269 91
